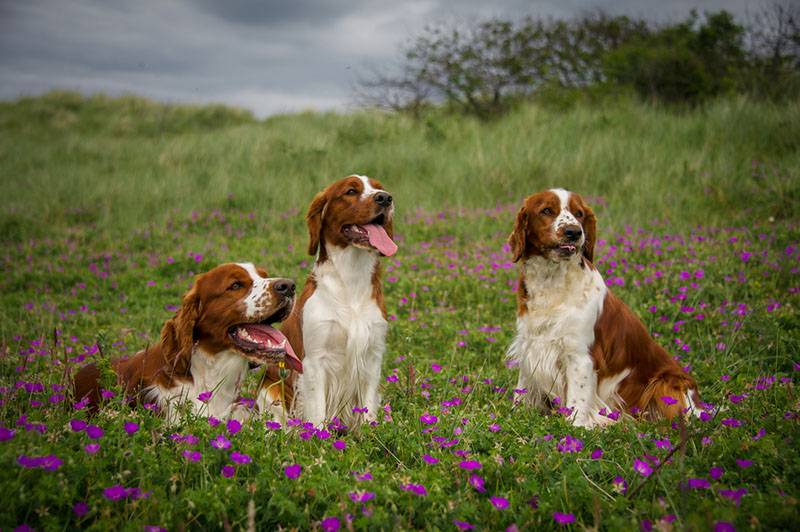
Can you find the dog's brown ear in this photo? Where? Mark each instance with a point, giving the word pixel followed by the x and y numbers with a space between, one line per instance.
pixel 314 220
pixel 177 335
pixel 518 239
pixel 590 232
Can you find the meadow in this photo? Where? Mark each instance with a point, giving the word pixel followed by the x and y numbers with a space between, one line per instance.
pixel 110 206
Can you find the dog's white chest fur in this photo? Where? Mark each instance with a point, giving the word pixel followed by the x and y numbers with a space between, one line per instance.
pixel 344 337
pixel 221 374
pixel 555 333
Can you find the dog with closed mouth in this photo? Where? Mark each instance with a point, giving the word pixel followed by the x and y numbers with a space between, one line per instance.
pixel 575 339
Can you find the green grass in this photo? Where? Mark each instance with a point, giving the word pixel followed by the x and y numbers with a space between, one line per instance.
pixel 109 206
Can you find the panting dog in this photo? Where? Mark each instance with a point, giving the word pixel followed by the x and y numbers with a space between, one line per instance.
pixel 338 325
pixel 224 324
pixel 575 339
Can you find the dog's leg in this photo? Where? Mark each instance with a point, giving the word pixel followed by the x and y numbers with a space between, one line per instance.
pixel 582 389
pixel 312 386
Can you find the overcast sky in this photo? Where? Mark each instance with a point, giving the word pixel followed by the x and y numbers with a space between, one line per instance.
pixel 267 56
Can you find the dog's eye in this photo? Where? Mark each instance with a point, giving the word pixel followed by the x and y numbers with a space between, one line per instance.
pixel 351 191
pixel 579 214
pixel 235 286
pixel 547 212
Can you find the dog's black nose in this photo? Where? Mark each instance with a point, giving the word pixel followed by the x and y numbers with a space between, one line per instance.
pixel 573 232
pixel 284 287
pixel 384 199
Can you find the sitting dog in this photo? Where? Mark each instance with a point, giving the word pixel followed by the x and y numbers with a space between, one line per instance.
pixel 223 325
pixel 575 339
pixel 338 325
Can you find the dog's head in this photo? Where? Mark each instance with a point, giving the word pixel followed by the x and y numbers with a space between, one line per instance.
pixel 354 211
pixel 555 224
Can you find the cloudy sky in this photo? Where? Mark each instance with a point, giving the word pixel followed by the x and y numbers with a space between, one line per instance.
pixel 268 56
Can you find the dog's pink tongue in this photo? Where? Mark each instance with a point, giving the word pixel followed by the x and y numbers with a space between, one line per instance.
pixel 380 240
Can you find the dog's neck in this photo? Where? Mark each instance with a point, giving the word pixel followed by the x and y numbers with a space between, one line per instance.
pixel 350 268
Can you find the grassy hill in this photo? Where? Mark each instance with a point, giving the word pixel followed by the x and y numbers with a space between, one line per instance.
pixel 109 206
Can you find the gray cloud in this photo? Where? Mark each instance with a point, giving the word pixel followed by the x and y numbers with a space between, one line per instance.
pixel 268 56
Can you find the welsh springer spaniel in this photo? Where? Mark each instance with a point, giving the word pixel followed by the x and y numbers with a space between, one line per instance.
pixel 338 325
pixel 223 325
pixel 575 339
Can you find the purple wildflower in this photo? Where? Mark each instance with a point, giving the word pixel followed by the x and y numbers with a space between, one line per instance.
pixel 227 471
pixel 416 489
pixel 568 444
pixel 463 525
pixel 430 459
pixel 130 427
pixel 563 519
pixel 698 484
pixel 642 467
pixel 220 442
pixel 330 524
pixel 233 426
pixel 469 465
pixel 192 456
pixel 744 464
pixel 293 471
pixel 91 448
pixel 94 432
pixel 205 396
pixel 356 496
pixel 77 425
pixel 597 454
pixel 477 482
pixel 240 458
pixel 428 419
pixel 499 502
pixel 80 508
pixel 620 485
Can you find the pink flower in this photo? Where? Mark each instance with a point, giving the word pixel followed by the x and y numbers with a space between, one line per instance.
pixel 469 465
pixel 478 483
pixel 339 445
pixel 499 502
pixel 428 419
pixel 240 458
pixel 642 467
pixel 91 448
pixel 669 400
pixel 416 489
pixel 273 425
pixel 361 497
pixel 205 396
pixel 330 524
pixel 430 459
pixel 568 444
pixel 94 432
pixel 192 456
pixel 220 442
pixel 293 471
pixel 233 426
pixel 130 427
pixel 563 519
pixel 494 427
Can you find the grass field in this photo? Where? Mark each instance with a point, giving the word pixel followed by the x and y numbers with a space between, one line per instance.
pixel 110 206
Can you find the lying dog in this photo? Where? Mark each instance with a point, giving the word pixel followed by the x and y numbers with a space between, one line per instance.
pixel 575 339
pixel 338 326
pixel 223 325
